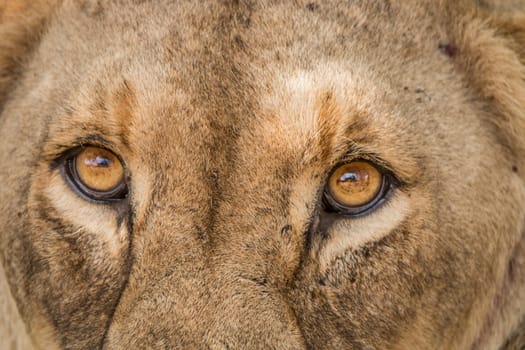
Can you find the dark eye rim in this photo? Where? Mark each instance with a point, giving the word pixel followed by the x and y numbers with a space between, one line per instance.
pixel 70 174
pixel 388 184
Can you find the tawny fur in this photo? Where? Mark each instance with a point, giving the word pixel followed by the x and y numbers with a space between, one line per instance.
pixel 229 116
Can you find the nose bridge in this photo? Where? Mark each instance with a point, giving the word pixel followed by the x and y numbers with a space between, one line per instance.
pixel 249 306
pixel 250 268
pixel 166 285
pixel 185 292
pixel 246 311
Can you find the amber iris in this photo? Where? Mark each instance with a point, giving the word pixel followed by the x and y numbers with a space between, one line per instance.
pixel 355 184
pixel 97 173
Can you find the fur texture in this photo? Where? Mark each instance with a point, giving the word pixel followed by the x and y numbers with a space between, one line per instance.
pixel 229 116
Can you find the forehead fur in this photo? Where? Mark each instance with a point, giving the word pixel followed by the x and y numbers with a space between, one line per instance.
pixel 236 90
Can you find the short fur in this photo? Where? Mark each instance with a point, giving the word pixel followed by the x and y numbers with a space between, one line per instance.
pixel 229 116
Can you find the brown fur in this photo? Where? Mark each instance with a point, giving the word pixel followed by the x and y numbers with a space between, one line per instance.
pixel 506 7
pixel 229 117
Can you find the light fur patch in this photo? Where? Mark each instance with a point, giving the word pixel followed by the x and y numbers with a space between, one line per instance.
pixel 352 233
pixel 94 218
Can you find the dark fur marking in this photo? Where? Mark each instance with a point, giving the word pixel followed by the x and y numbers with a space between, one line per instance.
pixel 92 8
pixel 259 281
pixel 126 270
pixel 448 49
pixel 312 6
pixel 286 229
pixel 201 233
pixel 81 318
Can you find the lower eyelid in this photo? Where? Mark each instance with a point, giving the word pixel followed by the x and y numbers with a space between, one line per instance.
pixel 387 189
pixel 352 233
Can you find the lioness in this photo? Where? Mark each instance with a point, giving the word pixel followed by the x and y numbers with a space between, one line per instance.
pixel 261 175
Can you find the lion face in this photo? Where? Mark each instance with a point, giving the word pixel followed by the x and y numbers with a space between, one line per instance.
pixel 292 175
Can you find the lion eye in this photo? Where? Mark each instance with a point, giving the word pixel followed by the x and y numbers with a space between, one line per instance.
pixel 97 174
pixel 356 187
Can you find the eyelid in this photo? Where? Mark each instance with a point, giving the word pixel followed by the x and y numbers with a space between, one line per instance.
pixel 58 153
pixel 382 165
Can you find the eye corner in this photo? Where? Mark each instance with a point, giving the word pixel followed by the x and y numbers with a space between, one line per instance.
pixel 61 155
